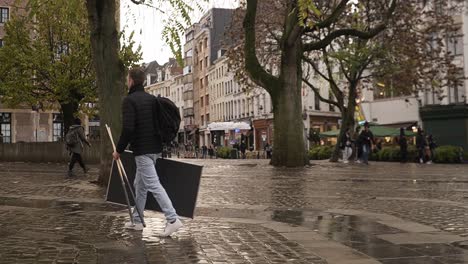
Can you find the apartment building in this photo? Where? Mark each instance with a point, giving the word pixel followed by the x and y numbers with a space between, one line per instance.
pixel 441 113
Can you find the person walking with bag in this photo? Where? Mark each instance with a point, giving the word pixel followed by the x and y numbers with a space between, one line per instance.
pixel 74 139
pixel 146 141
pixel 403 142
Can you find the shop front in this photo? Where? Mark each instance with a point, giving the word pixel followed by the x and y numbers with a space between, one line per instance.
pixel 229 133
pixel 263 133
pixel 320 124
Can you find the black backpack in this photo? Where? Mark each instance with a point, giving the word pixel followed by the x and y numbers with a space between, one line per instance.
pixel 71 138
pixel 167 119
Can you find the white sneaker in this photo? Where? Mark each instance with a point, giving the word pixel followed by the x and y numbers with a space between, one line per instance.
pixel 421 161
pixel 346 161
pixel 136 226
pixel 429 162
pixel 172 228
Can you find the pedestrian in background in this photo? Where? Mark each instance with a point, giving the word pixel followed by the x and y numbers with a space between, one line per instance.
pixel 204 152
pixel 367 139
pixel 346 146
pixel 211 152
pixel 421 145
pixel 74 139
pixel 268 150
pixel 403 142
pixel 243 148
pixel 430 149
pixel 357 144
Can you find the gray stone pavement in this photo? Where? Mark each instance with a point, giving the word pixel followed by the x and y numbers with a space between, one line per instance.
pixel 248 212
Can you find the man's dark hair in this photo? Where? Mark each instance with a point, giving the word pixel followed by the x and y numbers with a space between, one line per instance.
pixel 138 75
pixel 77 121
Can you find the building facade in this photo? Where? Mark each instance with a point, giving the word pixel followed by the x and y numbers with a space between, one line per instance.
pixel 442 113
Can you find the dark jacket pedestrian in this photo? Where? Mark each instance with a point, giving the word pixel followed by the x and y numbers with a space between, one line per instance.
pixel 138 128
pixel 430 149
pixel 211 152
pixel 366 139
pixel 77 149
pixel 403 142
pixel 268 149
pixel 357 143
pixel 421 145
pixel 204 152
pixel 141 130
pixel 243 149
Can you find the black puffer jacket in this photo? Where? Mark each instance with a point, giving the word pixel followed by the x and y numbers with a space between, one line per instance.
pixel 139 129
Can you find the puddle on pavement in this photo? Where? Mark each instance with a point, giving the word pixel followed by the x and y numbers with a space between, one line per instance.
pixel 361 234
pixel 67 206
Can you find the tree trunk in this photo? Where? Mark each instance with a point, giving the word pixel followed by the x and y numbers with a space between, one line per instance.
pixel 347 117
pixel 68 111
pixel 289 146
pixel 109 73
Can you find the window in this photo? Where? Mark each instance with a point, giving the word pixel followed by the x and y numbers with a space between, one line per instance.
pixel 455 43
pixel 201 65
pixel 206 43
pixel 201 83
pixel 206 80
pixel 201 102
pixel 1 43
pixel 456 88
pixel 207 118
pixel 189 36
pixel 57 133
pixel 94 129
pixel 207 100
pixel 4 14
pixel 203 120
pixel 206 61
pixel 5 127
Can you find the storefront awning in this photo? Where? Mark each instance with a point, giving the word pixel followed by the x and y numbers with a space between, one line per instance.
pixel 215 126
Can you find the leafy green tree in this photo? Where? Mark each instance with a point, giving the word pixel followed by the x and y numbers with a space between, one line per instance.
pixel 46 60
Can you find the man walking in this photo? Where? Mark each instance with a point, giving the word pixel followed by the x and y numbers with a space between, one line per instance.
pixel 421 145
pixel 140 131
pixel 366 138
pixel 403 142
pixel 74 140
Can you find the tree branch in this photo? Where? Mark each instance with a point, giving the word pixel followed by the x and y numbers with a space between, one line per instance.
pixel 331 19
pixel 317 92
pixel 338 93
pixel 256 72
pixel 352 32
pixel 316 69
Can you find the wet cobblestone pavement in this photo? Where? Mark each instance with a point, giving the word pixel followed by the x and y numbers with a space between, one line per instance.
pixel 248 212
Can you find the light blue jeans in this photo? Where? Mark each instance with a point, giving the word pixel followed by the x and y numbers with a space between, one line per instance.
pixel 147 180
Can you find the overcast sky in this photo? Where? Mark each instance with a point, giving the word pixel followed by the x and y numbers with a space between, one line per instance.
pixel 146 22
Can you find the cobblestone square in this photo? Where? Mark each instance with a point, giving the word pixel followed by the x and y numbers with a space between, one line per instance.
pixel 248 212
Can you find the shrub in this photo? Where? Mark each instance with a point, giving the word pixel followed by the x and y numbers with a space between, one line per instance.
pixel 320 152
pixel 448 154
pixel 224 152
pixel 443 154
